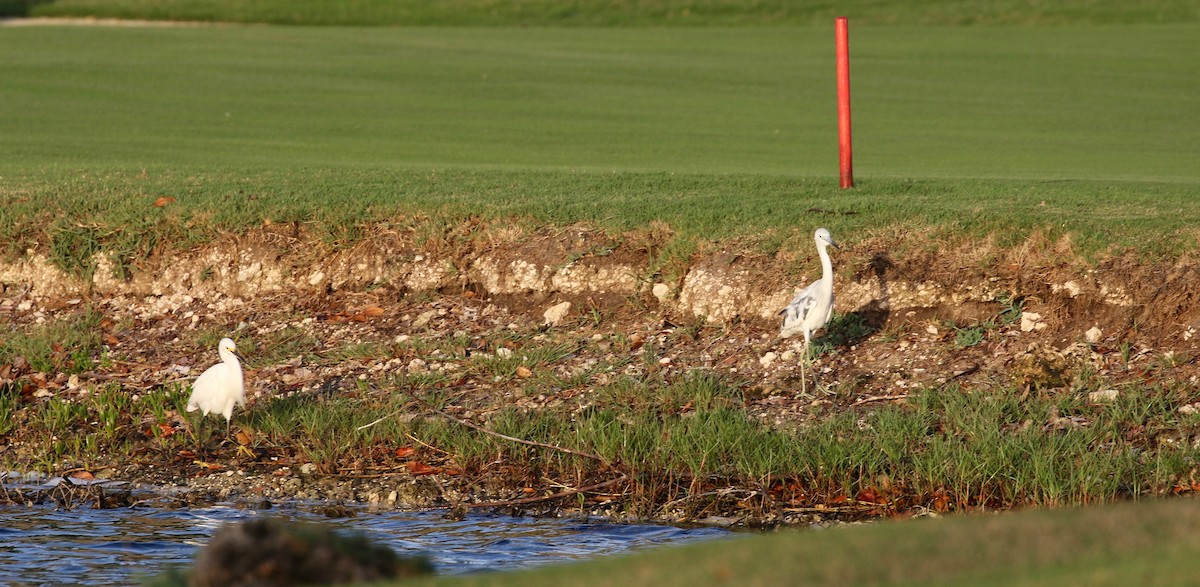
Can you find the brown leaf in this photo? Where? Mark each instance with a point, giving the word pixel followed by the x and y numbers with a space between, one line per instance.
pixel 166 430
pixel 209 466
pixel 82 475
pixel 636 340
pixel 418 468
pixel 523 371
pixel 405 451
pixel 111 340
pixel 163 201
pixel 243 438
pixel 372 311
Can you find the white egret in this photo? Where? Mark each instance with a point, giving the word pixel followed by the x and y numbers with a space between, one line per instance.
pixel 220 386
pixel 812 307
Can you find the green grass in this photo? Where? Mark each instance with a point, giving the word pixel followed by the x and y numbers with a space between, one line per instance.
pixel 1130 544
pixel 720 132
pixel 1096 102
pixel 623 13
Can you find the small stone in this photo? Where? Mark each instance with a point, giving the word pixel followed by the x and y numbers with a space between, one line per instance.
pixel 316 278
pixel 1031 321
pixel 1104 396
pixel 424 318
pixel 1189 408
pixel 308 469
pixel 931 329
pixel 524 371
pixel 401 339
pixel 664 361
pixel 1093 335
pixel 504 353
pixel 662 292
pixel 556 313
pixel 417 366
pixel 767 359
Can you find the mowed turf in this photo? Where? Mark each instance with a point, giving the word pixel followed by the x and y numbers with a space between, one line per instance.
pixel 1085 131
pixel 1096 102
pixel 1144 544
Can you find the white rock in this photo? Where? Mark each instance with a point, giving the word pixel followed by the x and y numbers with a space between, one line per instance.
pixel 504 353
pixel 662 292
pixel 767 359
pixel 316 278
pixel 931 329
pixel 1104 396
pixel 1093 335
pixel 556 313
pixel 1031 321
pixel 424 318
pixel 1190 408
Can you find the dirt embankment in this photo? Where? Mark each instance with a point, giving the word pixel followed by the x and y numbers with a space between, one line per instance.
pixel 966 314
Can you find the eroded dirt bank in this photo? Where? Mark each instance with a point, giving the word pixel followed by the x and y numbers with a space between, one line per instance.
pixel 340 321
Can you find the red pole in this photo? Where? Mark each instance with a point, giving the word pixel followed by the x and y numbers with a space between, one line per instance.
pixel 845 152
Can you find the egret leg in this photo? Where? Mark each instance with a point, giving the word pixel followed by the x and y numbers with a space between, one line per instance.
pixel 804 365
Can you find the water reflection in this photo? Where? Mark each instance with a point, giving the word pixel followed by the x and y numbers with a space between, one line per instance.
pixel 43 546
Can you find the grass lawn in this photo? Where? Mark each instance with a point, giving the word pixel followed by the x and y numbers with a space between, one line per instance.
pixel 1142 544
pixel 720 132
pixel 608 13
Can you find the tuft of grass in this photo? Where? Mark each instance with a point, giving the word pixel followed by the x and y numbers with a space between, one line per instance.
pixel 68 344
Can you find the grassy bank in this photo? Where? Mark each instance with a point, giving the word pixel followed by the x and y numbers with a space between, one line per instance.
pixel 598 13
pixel 672 443
pixel 720 133
pixel 1148 544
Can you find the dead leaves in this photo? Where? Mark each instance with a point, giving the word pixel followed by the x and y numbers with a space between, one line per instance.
pixel 163 201
pixel 363 315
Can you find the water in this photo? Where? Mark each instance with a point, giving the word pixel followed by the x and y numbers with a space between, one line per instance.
pixel 44 546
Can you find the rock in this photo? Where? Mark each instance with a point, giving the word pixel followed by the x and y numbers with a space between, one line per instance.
pixel 308 469
pixel 1031 321
pixel 555 314
pixel 504 353
pixel 1042 367
pixel 767 359
pixel 424 318
pixel 1093 335
pixel 1104 396
pixel 662 292
pixel 931 329
pixel 268 551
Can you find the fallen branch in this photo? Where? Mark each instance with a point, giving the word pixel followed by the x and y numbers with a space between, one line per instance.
pixel 878 398
pixel 479 428
pixel 529 500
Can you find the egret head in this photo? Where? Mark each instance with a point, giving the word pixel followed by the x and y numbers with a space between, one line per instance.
pixel 227 347
pixel 824 239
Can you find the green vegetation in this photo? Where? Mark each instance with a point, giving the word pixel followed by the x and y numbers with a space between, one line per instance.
pixel 684 440
pixel 609 13
pixel 720 133
pixel 1146 544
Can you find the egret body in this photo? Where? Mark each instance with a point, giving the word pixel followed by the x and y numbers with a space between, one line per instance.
pixel 220 386
pixel 812 307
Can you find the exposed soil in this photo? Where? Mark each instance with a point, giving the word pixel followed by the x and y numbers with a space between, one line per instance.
pixel 964 314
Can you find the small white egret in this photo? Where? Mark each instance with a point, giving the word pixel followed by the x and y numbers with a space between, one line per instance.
pixel 812 307
pixel 220 386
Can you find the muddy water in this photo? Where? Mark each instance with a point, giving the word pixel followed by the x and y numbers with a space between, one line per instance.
pixel 44 546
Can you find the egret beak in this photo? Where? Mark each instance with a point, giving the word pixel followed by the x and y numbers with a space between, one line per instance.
pixel 238 355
